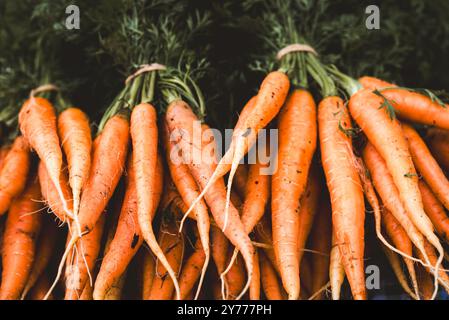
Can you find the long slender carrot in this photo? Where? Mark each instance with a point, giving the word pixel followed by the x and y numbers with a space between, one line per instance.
pixel 148 272
pixel 76 139
pixel 240 179
pixel 348 208
pixel 366 109
pixel 297 144
pixel 438 141
pixel 44 251
pixel 260 111
pixel 336 270
pixel 19 241
pixel 127 238
pixel 307 209
pixel 388 192
pixel 14 172
pixel 254 289
pixel 426 165
pixel 271 285
pixel 235 278
pixel 37 122
pixel 180 117
pixel 321 242
pixel 189 191
pixel 191 270
pixel 51 196
pixel 435 211
pixel 402 242
pixel 172 244
pixel 85 252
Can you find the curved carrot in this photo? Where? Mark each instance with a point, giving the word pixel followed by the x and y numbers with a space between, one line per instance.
pixel 127 237
pixel 76 139
pixel 51 196
pixel 19 241
pixel 426 165
pixel 435 211
pixel 365 107
pixel 189 191
pixel 348 208
pixel 297 144
pixel 180 117
pixel 14 172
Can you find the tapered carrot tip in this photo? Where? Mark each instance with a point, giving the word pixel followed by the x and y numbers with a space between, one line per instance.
pixel 5 202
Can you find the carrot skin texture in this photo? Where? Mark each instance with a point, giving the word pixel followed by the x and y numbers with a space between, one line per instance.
pixel 19 241
pixel 435 211
pixel 373 83
pixel 40 289
pixel 271 285
pixel 240 179
pixel 297 144
pixel 50 194
pixel 336 270
pixel 108 162
pixel 128 237
pixel 191 271
pixel 426 165
pixel 76 272
pixel 76 138
pixel 14 172
pixel 348 207
pixel 148 273
pixel 438 142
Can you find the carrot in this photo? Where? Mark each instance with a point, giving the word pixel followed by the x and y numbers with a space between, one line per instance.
pixel 235 278
pixel 84 256
pixel 402 242
pixel 348 208
pixel 264 235
pixel 51 196
pixel 435 211
pixel 87 294
pixel 425 282
pixel 271 285
pixel 76 139
pixel 306 276
pixel 37 122
pixel 189 191
pixel 127 238
pixel 254 289
pixel 365 108
pixel 148 272
pixel 3 153
pixel 116 290
pixel 374 83
pixel 241 178
pixel 388 192
pixel 191 270
pixel 40 288
pixel 426 165
pixel 259 112
pixel 172 244
pixel 297 144
pixel 336 270
pixel 44 251
pixel 399 273
pixel 13 173
pixel 443 278
pixel 19 241
pixel 307 209
pixel 438 141
pixel 321 242
pixel 180 117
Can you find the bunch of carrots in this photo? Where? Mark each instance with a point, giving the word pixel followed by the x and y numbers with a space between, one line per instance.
pixel 143 207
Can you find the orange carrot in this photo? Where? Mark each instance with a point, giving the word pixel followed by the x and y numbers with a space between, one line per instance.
pixel 76 139
pixel 348 208
pixel 40 288
pixel 13 173
pixel 172 244
pixel 366 109
pixel 3 153
pixel 443 278
pixel 44 251
pixel 191 270
pixel 307 209
pixel 189 191
pixel 19 241
pixel 435 211
pixel 260 111
pixel 426 165
pixel 241 178
pixel 235 278
pixel 321 242
pixel 264 235
pixel 180 117
pixel 148 272
pixel 51 196
pixel 374 83
pixel 425 282
pixel 306 276
pixel 254 289
pixel 271 285
pixel 84 255
pixel 128 237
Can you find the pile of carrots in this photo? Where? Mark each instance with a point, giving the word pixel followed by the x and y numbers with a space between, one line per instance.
pixel 145 208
